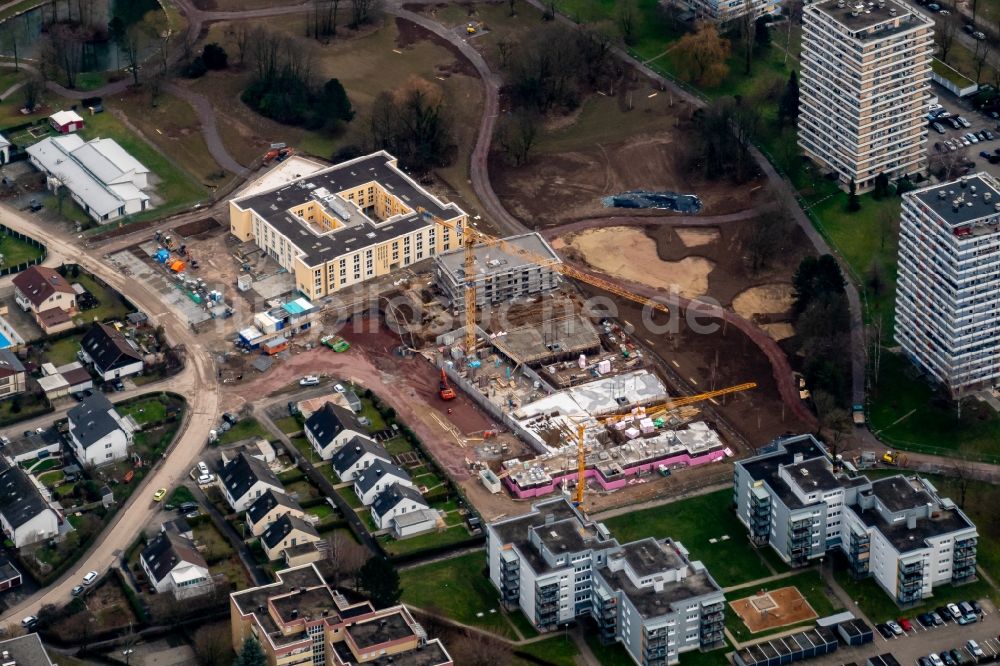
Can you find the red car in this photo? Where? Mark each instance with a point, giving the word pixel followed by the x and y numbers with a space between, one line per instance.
pixel 905 624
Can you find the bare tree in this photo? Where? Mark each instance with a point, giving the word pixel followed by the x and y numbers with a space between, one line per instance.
pixel 980 57
pixel 31 92
pixel 764 240
pixel 363 11
pixel 944 35
pixel 345 556
pixel 478 650
pixel 628 17
pixel 510 6
pixel 12 35
pixel 67 43
pixel 748 29
pixel 947 165
pixel 963 474
pixel 516 135
pixel 241 37
pixel 213 646
pixel 834 421
pixel 131 47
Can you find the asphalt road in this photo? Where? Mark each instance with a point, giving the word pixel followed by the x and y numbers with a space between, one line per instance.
pixel 196 382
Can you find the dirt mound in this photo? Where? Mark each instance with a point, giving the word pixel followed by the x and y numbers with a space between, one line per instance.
pixel 765 299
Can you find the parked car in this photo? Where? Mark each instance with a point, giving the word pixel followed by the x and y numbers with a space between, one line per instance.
pixel 925 620
pixel 77 591
pixel 230 418
pixel 309 380
pixel 981 135
pixel 159 494
pixel 905 624
pixel 944 613
pixel 895 628
pixel 934 7
pixel 937 618
pixel 205 479
pixel 963 122
pixel 89 578
pixel 979 35
pixel 938 128
pixel 954 123
pixel 202 467
pixel 957 656
pixel 187 506
pixel 976 608
pixel 984 154
pixel 29 622
pixel 967 619
pixel 339 388
pixel 934 660
pixel 944 12
pixel 969 28
pixel 884 630
pixel 989 134
pixel 947 659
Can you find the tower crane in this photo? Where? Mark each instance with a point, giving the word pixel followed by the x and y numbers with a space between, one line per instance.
pixel 658 409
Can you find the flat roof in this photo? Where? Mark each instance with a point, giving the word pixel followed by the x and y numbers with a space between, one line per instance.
pixel 432 653
pixel 872 19
pixel 897 493
pixel 964 201
pixel 905 538
pixel 382 629
pixel 652 603
pixel 647 557
pixel 534 343
pixel 358 231
pixel 493 259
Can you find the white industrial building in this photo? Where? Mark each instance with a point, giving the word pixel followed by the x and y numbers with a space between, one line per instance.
pixel 864 89
pixel 99 174
pixel 897 530
pixel 558 567
pixel 949 264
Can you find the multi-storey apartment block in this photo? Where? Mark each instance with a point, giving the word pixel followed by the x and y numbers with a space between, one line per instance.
pixel 949 265
pixel 346 224
pixel 501 275
pixel 728 10
pixel 897 529
pixel 299 620
pixel 557 567
pixel 865 83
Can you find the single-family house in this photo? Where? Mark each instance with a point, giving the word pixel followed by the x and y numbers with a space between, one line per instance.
pixel 32 445
pixel 267 508
pixel 178 526
pixel 396 500
pixel 77 377
pixel 110 352
pixel 357 455
pixel 25 516
pixel 48 296
pixel 303 553
pixel 244 479
pixel 9 574
pixel 287 532
pixel 379 476
pixel 97 432
pixel 330 427
pixel 173 564
pixel 12 374
pixel 100 175
pixel 66 122
pixel 25 650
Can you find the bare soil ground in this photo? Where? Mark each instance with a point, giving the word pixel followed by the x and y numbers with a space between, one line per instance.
pixel 777 608
pixel 630 253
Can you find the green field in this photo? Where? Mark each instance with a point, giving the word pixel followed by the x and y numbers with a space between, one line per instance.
pixel 731 561
pixel 459 589
pixel 146 410
pixel 63 350
pixel 109 303
pixel 447 536
pixel 245 429
pixel 560 650
pixel 879 606
pixel 907 412
pixel 16 251
pixel 289 424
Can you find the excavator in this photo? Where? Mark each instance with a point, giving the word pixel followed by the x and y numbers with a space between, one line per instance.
pixel 445 391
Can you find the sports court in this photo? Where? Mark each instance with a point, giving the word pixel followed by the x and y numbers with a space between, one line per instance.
pixel 774 608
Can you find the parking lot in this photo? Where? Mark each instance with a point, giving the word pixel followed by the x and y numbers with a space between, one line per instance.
pixel 920 641
pixel 937 142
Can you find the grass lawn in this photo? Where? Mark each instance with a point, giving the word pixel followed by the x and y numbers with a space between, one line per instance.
pixel 560 650
pixel 305 490
pixel 52 479
pixel 523 625
pixel 458 588
pixel 27 406
pixel 415 544
pixel 809 583
pixel 305 448
pixel 109 302
pixel 351 497
pixel 289 424
pixel 216 547
pixel 397 445
pixel 321 511
pixel 44 464
pixel 63 350
pixel 16 252
pixel 235 572
pixel 731 562
pixel 375 420
pixel 245 429
pixel 178 189
pixel 907 412
pixel 145 411
pixel 608 655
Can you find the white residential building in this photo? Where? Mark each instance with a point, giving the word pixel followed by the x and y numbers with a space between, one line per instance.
pixel 97 432
pixel 556 566
pixel 330 428
pixel 173 564
pixel 864 88
pixel 729 10
pixel 947 321
pixel 378 477
pixel 395 501
pixel 897 529
pixel 99 175
pixel 244 479
pixel 25 516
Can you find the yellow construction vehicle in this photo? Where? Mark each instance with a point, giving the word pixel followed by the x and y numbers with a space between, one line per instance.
pixel 893 458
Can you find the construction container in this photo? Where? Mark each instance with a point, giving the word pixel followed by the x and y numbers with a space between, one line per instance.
pixel 275 346
pixel 177 265
pixel 604 367
pixel 162 255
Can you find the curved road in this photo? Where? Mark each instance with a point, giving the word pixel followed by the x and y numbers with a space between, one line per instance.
pixel 551 233
pixel 196 382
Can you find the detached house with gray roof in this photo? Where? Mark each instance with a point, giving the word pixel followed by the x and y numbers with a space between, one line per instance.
pixel 396 500
pixel 268 508
pixel 25 516
pixel 98 434
pixel 244 479
pixel 356 456
pixel 110 352
pixel 287 532
pixel 25 650
pixel 173 564
pixel 330 428
pixel 377 478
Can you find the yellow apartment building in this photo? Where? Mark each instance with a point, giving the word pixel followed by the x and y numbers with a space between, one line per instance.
pixel 346 224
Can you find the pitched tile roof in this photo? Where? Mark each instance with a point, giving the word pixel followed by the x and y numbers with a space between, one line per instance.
pixel 329 421
pixel 367 480
pixel 108 347
pixel 168 550
pixel 264 504
pixel 284 526
pixel 39 282
pixel 20 500
pixel 91 420
pixel 355 450
pixel 386 500
pixel 242 472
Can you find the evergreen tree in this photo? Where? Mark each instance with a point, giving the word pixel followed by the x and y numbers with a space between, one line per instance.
pixel 335 101
pixel 381 581
pixel 788 105
pixel 250 654
pixel 762 33
pixel 881 186
pixel 853 203
pixel 214 56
